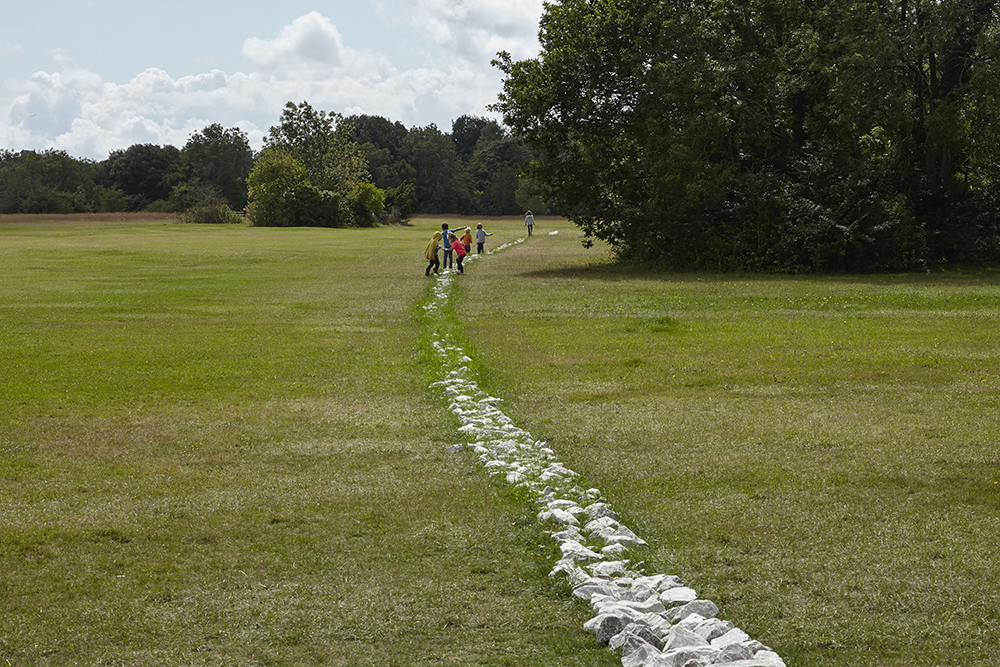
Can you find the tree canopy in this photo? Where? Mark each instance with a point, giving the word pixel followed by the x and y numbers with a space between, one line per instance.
pixel 220 159
pixel 144 172
pixel 768 134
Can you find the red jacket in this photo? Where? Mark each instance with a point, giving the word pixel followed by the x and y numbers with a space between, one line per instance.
pixel 458 248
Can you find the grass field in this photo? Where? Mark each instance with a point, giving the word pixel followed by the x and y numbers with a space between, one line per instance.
pixel 218 448
pixel 817 455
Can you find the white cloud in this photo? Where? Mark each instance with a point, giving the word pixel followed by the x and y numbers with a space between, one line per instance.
pixel 310 42
pixel 478 29
pixel 76 110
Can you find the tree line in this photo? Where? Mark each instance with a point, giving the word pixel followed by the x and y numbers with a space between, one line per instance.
pixel 316 168
pixel 769 135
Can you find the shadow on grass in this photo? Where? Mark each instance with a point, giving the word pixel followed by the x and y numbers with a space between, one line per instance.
pixel 611 271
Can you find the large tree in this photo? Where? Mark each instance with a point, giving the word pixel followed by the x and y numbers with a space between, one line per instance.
pixel 312 173
pixel 442 184
pixel 495 168
pixel 323 143
pixel 220 159
pixel 767 134
pixel 144 172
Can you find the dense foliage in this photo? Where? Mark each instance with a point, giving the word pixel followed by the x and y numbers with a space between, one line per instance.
pixel 310 173
pixel 768 134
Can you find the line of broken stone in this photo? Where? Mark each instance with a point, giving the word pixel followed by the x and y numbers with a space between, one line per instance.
pixel 655 619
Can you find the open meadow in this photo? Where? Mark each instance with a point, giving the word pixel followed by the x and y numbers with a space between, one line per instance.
pixel 818 455
pixel 218 447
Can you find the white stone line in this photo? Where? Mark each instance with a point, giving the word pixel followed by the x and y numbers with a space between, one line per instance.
pixel 654 619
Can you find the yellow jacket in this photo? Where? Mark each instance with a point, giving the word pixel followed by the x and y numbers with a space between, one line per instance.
pixel 432 247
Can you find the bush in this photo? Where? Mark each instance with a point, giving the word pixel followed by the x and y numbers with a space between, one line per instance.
pixel 274 176
pixel 312 207
pixel 207 205
pixel 212 214
pixel 400 200
pixel 366 203
pixel 112 200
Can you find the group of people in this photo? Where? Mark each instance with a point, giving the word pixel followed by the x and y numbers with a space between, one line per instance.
pixel 460 246
pixel 455 246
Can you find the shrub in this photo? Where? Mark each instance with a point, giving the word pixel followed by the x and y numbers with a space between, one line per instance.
pixel 273 177
pixel 312 207
pixel 212 214
pixel 366 203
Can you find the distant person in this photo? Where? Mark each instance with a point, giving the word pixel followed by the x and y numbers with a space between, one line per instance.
pixel 467 240
pixel 447 245
pixel 431 253
pixel 529 222
pixel 481 235
pixel 459 251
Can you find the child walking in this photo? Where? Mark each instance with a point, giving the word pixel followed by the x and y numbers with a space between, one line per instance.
pixel 459 249
pixel 447 237
pixel 467 240
pixel 431 253
pixel 481 235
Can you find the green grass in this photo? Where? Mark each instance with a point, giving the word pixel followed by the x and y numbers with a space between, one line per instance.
pixel 218 448
pixel 818 455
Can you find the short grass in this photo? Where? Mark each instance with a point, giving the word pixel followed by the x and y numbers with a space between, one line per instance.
pixel 217 447
pixel 819 455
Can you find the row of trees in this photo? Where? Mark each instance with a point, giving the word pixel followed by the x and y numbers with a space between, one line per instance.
pixel 316 168
pixel 213 164
pixel 769 134
pixel 322 169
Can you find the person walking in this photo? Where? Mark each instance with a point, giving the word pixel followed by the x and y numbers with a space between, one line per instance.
pixel 459 249
pixel 481 235
pixel 467 240
pixel 431 253
pixel 529 222
pixel 447 236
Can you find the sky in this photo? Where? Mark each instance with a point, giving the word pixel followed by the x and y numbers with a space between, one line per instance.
pixel 91 76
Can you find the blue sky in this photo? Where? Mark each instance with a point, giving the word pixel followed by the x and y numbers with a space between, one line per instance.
pixel 92 76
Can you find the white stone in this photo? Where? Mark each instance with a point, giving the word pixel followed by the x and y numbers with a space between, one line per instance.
pixel 576 551
pixel 613 551
pixel 679 637
pixel 733 653
pixel 678 595
pixel 706 608
pixel 571 533
pixel 605 523
pixel 640 656
pixel 712 628
pixel 769 658
pixel 689 656
pixel 691 623
pixel 734 636
pixel 625 536
pixel 562 516
pixel 609 568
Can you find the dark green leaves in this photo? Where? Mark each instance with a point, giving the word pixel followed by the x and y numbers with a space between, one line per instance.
pixel 767 135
